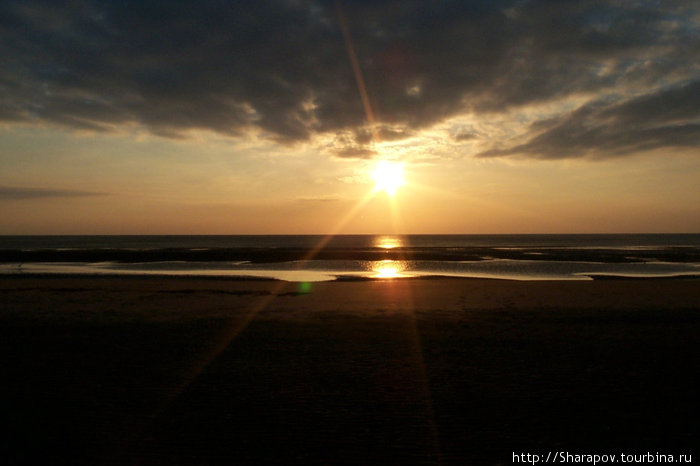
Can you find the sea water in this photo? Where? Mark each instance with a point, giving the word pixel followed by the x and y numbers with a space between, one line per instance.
pixel 318 258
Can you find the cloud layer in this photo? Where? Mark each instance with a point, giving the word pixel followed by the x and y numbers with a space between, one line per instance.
pixel 282 68
pixel 16 193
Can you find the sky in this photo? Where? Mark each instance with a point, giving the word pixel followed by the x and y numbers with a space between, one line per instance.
pixel 270 117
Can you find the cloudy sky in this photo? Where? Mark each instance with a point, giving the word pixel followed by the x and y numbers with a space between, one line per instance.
pixel 270 116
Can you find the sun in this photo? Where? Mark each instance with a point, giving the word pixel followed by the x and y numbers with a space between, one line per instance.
pixel 388 176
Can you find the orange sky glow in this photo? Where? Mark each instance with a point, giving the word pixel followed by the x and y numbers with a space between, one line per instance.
pixel 369 122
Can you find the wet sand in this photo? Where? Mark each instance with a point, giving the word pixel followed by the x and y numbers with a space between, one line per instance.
pixel 422 371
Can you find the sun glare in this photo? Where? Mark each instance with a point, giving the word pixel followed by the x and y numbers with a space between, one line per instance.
pixel 388 177
pixel 388 269
pixel 388 242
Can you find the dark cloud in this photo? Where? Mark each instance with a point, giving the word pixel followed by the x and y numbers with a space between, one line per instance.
pixel 667 118
pixel 282 66
pixel 354 153
pixel 23 193
pixel 461 137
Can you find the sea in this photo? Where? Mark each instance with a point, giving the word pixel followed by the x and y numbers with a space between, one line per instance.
pixel 312 258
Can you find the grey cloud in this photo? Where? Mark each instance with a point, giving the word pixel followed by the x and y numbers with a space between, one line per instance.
pixel 382 133
pixel 666 118
pixel 461 137
pixel 282 66
pixel 24 193
pixel 354 153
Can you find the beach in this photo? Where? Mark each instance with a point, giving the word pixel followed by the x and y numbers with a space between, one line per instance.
pixel 195 370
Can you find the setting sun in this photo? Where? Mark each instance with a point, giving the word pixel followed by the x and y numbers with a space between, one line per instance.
pixel 388 176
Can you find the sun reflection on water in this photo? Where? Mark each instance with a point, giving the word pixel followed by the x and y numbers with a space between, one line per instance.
pixel 388 242
pixel 388 269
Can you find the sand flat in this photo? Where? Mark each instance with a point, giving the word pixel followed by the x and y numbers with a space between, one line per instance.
pixel 427 371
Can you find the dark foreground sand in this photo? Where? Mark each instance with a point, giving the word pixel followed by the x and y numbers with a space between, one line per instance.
pixel 431 371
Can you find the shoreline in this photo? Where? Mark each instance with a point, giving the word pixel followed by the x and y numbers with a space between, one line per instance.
pixel 421 295
pixel 336 277
pixel 179 370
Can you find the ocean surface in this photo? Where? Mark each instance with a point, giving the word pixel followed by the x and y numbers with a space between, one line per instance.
pixel 303 258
